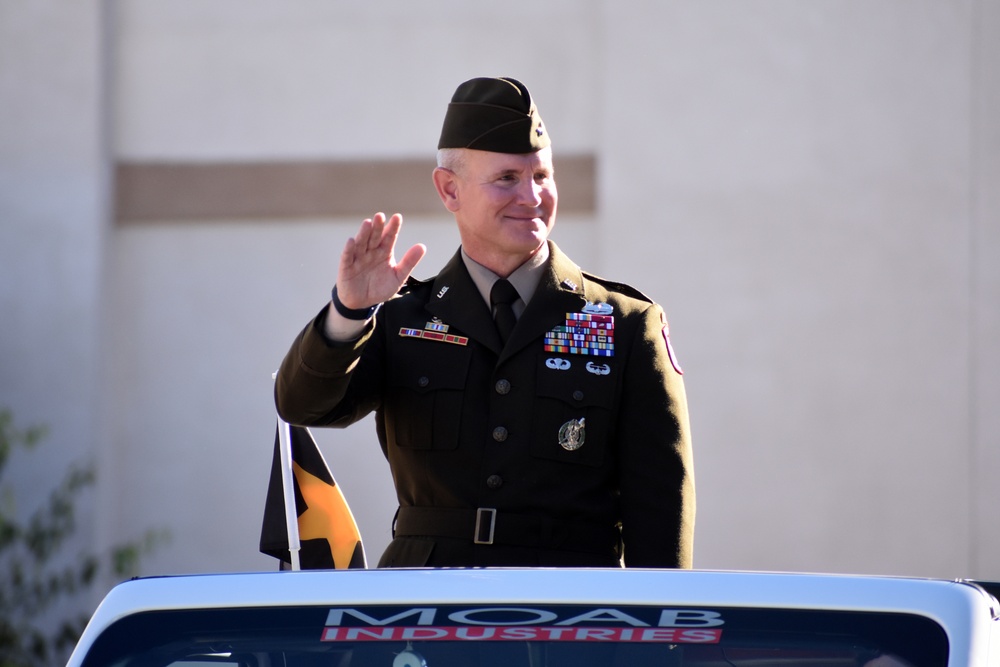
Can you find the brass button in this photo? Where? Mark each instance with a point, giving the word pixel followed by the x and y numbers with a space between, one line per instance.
pixel 494 481
pixel 503 387
pixel 499 434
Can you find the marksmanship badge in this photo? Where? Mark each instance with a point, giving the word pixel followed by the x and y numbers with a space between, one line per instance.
pixel 572 434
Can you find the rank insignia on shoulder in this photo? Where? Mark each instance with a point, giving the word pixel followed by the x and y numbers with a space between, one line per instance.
pixel 572 434
pixel 435 331
pixel 670 348
pixel 598 308
pixel 583 333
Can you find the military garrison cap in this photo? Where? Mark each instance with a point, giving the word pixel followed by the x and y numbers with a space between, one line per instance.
pixel 493 114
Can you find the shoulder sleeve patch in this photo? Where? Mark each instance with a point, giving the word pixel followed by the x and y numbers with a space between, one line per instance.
pixel 670 348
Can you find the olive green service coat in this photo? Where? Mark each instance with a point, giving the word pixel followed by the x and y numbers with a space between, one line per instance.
pixel 467 424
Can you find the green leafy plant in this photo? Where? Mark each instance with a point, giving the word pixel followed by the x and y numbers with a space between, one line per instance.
pixel 41 584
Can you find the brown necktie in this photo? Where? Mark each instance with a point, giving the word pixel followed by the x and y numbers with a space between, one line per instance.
pixel 502 296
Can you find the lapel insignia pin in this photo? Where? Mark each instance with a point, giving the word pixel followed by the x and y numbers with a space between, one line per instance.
pixel 572 435
pixel 569 284
pixel 443 291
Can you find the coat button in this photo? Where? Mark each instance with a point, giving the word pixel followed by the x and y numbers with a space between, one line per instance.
pixel 494 481
pixel 577 395
pixel 499 434
pixel 423 381
pixel 503 387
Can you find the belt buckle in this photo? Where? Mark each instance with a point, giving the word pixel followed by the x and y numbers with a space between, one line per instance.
pixel 491 516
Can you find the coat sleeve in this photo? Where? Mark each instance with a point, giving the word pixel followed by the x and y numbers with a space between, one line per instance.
pixel 656 476
pixel 324 383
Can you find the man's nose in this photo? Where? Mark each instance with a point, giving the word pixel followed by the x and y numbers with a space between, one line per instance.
pixel 531 193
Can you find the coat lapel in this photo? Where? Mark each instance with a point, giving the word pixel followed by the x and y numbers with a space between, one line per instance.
pixel 560 291
pixel 457 302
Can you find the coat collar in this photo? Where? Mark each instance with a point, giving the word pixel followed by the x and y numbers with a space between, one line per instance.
pixel 455 300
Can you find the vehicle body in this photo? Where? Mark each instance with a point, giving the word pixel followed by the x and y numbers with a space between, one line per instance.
pixel 541 618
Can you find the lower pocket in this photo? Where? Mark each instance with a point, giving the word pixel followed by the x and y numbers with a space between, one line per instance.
pixel 429 420
pixel 568 434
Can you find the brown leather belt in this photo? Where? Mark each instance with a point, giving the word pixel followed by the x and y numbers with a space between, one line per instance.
pixel 486 526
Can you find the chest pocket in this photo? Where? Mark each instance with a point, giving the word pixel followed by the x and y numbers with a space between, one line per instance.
pixel 574 391
pixel 426 382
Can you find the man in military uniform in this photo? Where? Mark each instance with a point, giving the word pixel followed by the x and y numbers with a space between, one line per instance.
pixel 532 414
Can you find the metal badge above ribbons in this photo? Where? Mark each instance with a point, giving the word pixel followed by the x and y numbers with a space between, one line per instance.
pixel 434 330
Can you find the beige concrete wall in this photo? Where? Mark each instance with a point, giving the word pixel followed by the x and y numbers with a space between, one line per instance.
pixel 808 188
pixel 984 357
pixel 806 170
pixel 198 82
pixel 54 220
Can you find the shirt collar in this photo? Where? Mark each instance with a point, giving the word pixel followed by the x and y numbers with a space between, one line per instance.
pixel 525 278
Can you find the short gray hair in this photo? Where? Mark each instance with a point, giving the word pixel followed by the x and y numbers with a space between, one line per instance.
pixel 451 158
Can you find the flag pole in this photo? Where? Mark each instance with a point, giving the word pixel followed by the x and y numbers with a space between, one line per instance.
pixel 288 488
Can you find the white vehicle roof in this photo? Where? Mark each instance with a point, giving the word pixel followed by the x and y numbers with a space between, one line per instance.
pixel 965 611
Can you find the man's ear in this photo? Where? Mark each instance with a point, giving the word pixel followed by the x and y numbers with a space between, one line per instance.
pixel 446 184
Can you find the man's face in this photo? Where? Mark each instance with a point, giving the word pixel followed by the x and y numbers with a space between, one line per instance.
pixel 505 204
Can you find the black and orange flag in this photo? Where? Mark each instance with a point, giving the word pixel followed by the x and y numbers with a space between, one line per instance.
pixel 328 534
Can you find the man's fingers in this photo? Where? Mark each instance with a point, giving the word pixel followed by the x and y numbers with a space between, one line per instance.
pixel 377 231
pixel 347 254
pixel 391 230
pixel 368 272
pixel 410 260
pixel 362 238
